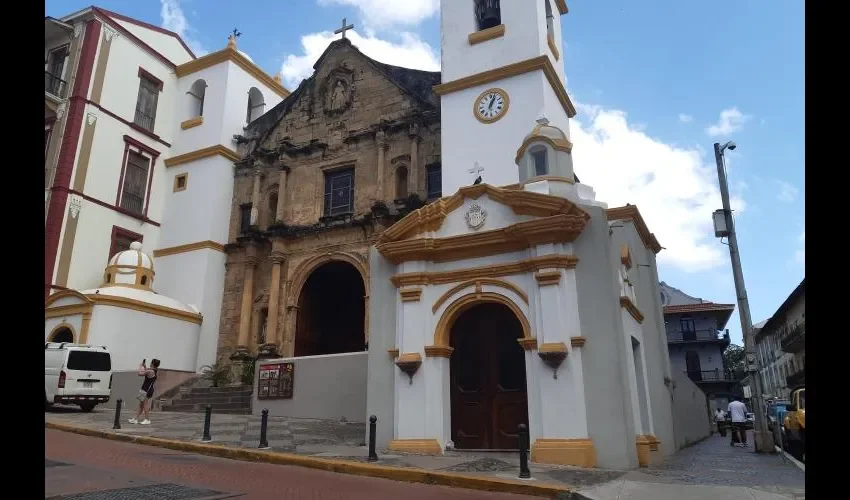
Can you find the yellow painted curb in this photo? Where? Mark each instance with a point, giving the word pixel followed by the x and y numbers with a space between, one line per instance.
pixel 341 466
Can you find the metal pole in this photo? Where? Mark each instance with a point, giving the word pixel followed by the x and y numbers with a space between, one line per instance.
pixel 264 422
pixel 524 473
pixel 762 440
pixel 117 423
pixel 373 424
pixel 207 418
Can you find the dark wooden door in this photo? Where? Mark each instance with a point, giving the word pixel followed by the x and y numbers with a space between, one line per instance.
pixel 489 397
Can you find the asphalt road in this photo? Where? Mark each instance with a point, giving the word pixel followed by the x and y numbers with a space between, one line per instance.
pixel 87 468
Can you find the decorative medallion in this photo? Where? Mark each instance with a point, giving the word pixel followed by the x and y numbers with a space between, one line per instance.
pixel 109 33
pixel 75 204
pixel 475 216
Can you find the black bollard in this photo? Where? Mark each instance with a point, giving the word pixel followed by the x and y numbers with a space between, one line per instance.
pixel 117 424
pixel 264 422
pixel 207 419
pixel 524 473
pixel 373 423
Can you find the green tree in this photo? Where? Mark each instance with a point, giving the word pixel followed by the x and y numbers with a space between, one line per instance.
pixel 734 361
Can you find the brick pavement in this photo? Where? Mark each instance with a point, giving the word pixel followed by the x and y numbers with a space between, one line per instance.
pixel 85 468
pixel 711 466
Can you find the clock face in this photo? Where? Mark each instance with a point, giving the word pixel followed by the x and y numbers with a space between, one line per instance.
pixel 491 105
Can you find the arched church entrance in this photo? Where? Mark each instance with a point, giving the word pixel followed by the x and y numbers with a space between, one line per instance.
pixel 63 334
pixel 331 311
pixel 488 387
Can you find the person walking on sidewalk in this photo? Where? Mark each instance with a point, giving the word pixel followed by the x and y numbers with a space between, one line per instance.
pixel 720 421
pixel 146 392
pixel 738 411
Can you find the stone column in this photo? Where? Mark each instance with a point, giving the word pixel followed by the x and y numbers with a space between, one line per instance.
pixel 413 174
pixel 245 314
pixel 255 198
pixel 381 143
pixel 270 349
pixel 281 194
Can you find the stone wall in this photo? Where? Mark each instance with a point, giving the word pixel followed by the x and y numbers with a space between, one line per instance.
pixel 691 417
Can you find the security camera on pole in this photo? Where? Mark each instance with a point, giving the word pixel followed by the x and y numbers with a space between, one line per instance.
pixel 724 226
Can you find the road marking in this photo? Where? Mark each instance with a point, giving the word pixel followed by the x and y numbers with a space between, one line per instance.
pixel 796 462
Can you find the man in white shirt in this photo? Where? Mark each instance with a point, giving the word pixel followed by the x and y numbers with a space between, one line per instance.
pixel 738 411
pixel 720 421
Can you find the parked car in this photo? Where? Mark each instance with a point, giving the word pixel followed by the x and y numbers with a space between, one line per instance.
pixel 795 424
pixel 76 374
pixel 776 412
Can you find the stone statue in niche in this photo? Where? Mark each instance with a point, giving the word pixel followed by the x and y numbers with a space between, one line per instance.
pixel 338 97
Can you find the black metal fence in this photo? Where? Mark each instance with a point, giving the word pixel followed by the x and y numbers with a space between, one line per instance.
pixel 707 335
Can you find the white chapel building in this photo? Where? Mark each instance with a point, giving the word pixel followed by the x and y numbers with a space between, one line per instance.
pixel 140 139
pixel 519 298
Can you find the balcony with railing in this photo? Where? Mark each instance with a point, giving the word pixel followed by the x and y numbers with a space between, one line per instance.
pixel 55 86
pixel 796 379
pixel 706 335
pixel 793 338
pixel 716 375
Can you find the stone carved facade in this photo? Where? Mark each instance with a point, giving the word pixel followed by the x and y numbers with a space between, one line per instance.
pixel 381 122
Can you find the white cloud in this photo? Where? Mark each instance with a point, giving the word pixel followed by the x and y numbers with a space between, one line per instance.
pixel 787 192
pixel 731 120
pixel 674 187
pixel 383 13
pixel 173 19
pixel 685 118
pixel 409 52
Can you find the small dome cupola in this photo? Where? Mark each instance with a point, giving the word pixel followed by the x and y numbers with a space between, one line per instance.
pixel 545 151
pixel 131 268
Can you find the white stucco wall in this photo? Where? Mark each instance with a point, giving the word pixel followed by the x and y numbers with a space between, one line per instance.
pixel 196 278
pixel 216 100
pixel 463 135
pixel 92 242
pixel 202 211
pixel 525 37
pixel 166 45
pixel 132 336
pixel 239 82
pixel 121 85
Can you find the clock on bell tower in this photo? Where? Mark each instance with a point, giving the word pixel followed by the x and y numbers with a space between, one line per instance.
pixel 501 70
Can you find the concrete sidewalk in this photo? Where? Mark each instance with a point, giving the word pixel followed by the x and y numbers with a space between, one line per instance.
pixel 710 469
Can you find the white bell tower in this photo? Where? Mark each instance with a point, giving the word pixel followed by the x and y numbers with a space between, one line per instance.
pixel 501 67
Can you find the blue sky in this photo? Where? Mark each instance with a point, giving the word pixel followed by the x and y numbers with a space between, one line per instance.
pixel 655 83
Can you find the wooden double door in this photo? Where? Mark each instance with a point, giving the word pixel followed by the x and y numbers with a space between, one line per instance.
pixel 488 381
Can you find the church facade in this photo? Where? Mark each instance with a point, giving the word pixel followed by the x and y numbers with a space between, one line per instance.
pixel 516 298
pixel 323 174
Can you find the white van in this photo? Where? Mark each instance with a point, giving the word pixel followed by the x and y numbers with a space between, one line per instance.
pixel 76 374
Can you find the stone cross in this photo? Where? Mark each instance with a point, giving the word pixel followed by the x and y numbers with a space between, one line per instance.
pixel 476 171
pixel 344 28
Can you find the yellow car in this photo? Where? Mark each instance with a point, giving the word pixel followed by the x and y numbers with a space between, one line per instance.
pixel 795 424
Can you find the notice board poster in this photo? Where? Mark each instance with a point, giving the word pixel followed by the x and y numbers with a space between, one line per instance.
pixel 276 381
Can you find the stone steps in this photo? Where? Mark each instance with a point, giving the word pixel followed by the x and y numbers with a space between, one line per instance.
pixel 227 400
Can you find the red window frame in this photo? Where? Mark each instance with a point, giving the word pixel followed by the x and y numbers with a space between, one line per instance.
pixel 120 232
pixel 144 150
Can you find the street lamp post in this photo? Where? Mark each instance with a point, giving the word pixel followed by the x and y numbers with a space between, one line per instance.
pixel 726 227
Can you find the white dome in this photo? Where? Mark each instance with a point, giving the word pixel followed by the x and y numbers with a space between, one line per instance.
pixel 132 257
pixel 544 129
pixel 139 295
pixel 133 268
